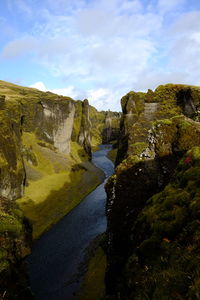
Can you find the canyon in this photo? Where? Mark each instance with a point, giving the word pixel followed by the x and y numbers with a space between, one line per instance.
pixel 152 209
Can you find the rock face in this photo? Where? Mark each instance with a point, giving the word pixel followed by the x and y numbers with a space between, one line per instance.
pixel 84 137
pixel 149 222
pixel 111 127
pixel 57 123
pixel 15 239
pixel 45 148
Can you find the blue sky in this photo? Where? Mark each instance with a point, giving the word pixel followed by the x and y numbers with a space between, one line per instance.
pixel 99 49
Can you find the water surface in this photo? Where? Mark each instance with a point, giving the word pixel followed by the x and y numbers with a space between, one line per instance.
pixel 54 265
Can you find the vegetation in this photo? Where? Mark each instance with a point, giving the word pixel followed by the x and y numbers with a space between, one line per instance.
pixel 53 178
pixel 112 154
pixel 93 287
pixel 166 262
pixel 153 249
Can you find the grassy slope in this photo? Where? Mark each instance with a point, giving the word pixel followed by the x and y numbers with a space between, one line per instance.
pixel 55 182
pixel 93 287
pixel 112 155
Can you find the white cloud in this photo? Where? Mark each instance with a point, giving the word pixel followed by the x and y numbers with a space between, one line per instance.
pixel 39 85
pixel 101 98
pixel 17 48
pixel 187 23
pixel 104 99
pixel 68 91
pixel 103 49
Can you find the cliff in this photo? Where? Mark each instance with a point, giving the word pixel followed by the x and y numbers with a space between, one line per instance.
pixel 153 234
pixel 45 170
pixel 105 127
pixel 110 132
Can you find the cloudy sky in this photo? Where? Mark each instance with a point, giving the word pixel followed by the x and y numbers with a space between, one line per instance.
pixel 99 49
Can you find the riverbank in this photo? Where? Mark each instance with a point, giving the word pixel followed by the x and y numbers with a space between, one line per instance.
pixel 54 266
pixel 93 285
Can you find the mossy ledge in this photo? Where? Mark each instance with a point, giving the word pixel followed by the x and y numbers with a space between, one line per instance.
pixel 153 197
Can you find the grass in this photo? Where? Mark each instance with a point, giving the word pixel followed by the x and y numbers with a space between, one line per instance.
pixel 112 154
pixel 93 287
pixel 56 182
pixel 49 199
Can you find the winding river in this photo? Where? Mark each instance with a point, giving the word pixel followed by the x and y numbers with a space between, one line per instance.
pixel 54 267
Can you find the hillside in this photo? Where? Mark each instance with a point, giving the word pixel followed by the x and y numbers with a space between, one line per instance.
pixel 45 151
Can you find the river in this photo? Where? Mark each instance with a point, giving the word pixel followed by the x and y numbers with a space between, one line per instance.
pixel 54 266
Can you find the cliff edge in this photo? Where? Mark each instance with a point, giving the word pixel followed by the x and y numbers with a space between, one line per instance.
pixel 153 197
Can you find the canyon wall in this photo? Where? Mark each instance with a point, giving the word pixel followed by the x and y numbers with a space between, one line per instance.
pixel 45 170
pixel 153 197
pixel 110 132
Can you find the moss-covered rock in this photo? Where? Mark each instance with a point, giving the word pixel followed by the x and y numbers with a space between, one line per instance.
pixel 14 245
pixel 157 129
pixel 165 238
pixel 141 109
pixel 110 130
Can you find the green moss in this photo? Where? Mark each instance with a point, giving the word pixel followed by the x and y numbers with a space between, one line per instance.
pixel 59 177
pixel 165 264
pixel 93 287
pixel 77 121
pixel 164 122
pixel 112 154
pixel 138 148
pixel 3 253
pixel 4 265
pixel 40 203
pixel 97 120
pixel 31 142
pixel 127 163
pixel 10 224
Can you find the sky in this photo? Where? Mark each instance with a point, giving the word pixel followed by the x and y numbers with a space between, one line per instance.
pixel 99 49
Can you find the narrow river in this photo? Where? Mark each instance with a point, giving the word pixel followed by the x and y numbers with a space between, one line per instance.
pixel 55 263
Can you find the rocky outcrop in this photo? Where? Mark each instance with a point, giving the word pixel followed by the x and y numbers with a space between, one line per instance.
pixel 105 127
pixel 165 259
pixel 157 129
pixel 12 173
pixel 15 241
pixel 84 138
pixel 56 123
pixel 110 131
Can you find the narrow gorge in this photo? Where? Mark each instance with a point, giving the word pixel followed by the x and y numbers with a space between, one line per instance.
pixel 52 157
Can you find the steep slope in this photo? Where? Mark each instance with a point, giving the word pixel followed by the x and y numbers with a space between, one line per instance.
pixel 45 168
pixel 165 263
pixel 51 143
pixel 157 128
